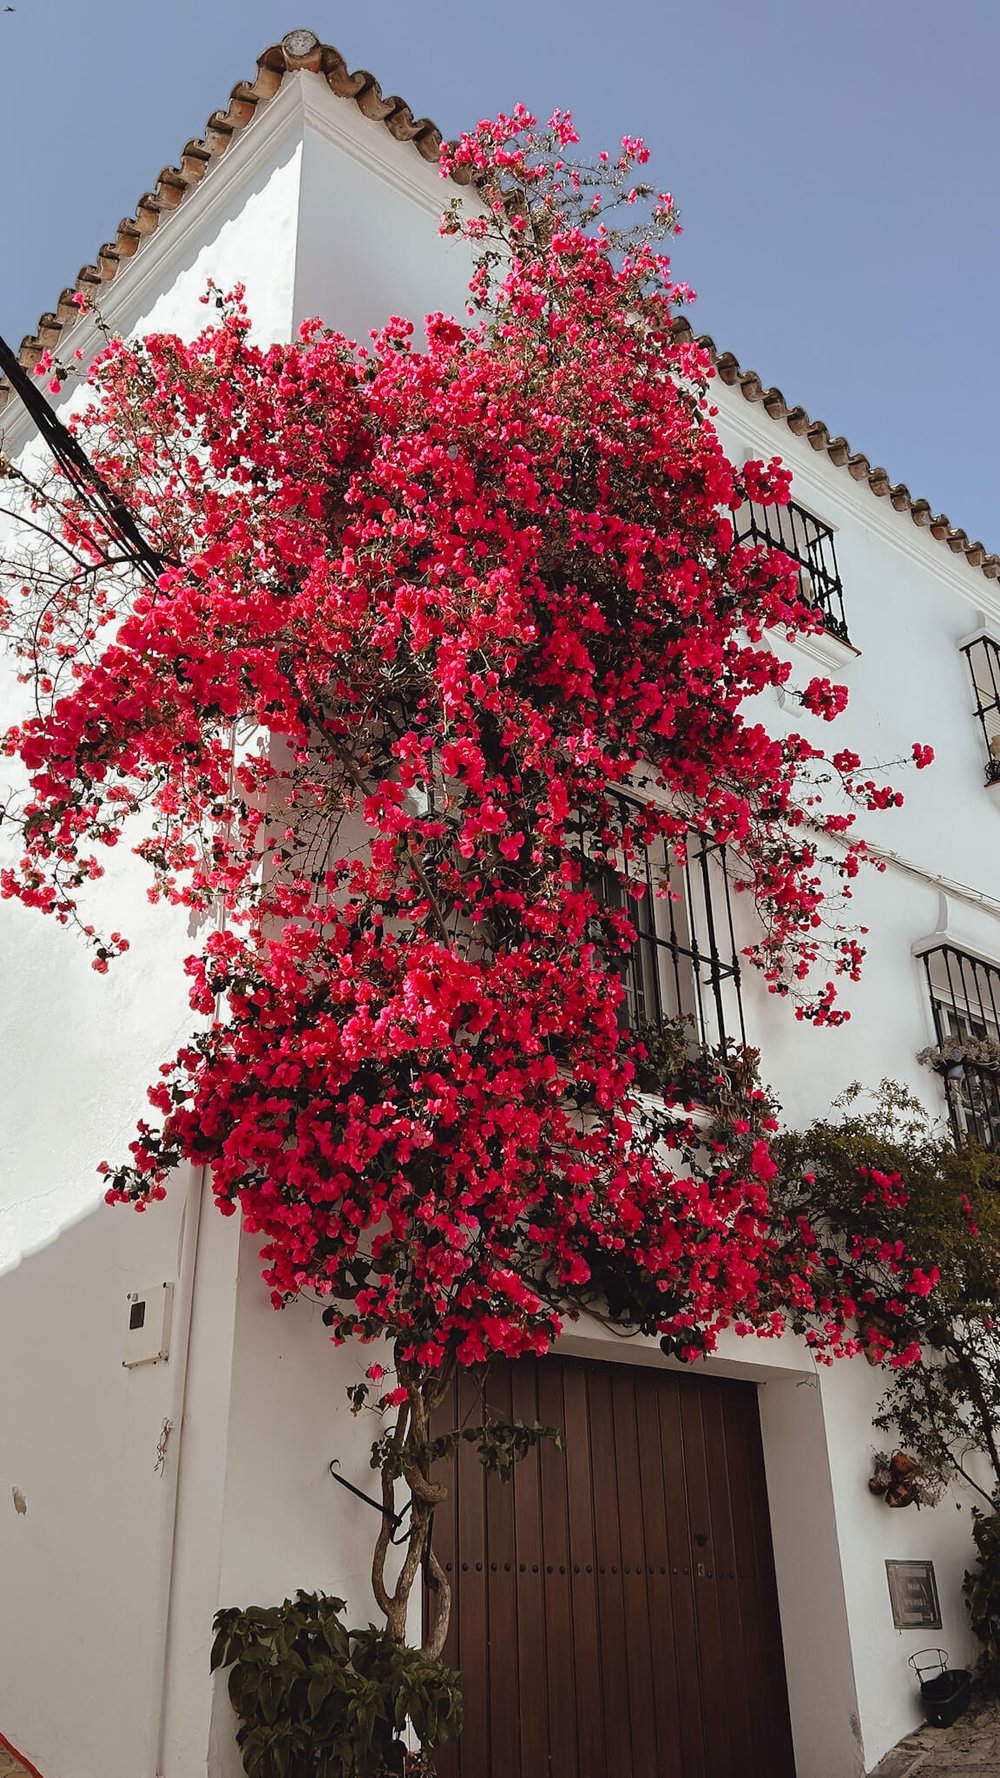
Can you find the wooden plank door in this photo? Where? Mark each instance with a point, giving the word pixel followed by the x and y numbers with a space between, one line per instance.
pixel 614 1611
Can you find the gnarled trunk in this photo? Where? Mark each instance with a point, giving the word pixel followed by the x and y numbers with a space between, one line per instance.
pixel 407 1460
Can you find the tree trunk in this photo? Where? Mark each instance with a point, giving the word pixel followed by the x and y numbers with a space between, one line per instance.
pixel 408 1446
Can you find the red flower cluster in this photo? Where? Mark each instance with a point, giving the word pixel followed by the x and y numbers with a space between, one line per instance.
pixel 424 609
pixel 840 1274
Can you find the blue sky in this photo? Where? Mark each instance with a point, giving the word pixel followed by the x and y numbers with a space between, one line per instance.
pixel 836 168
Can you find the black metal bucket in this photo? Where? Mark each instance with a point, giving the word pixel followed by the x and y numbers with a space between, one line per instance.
pixel 944 1690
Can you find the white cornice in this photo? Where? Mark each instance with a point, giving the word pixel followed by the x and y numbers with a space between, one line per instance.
pixel 947 933
pixel 821 646
pixel 277 121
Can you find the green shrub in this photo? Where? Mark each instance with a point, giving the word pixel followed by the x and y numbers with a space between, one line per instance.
pixel 317 1699
pixel 982 1591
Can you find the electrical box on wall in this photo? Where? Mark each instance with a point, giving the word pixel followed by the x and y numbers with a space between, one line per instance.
pixel 147 1330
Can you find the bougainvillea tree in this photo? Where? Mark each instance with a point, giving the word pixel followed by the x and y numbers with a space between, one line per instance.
pixel 424 606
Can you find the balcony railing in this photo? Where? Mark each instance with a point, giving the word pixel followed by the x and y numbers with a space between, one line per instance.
pixel 965 1002
pixel 684 964
pixel 983 656
pixel 809 544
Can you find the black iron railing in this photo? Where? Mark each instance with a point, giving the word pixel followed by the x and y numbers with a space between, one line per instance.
pixel 684 963
pixel 810 545
pixel 965 1001
pixel 983 657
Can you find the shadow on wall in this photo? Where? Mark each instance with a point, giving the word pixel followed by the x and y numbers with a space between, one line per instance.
pixel 102 1532
pixel 82 1496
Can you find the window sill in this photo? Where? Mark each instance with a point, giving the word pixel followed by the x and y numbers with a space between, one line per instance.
pixel 702 1116
pixel 826 648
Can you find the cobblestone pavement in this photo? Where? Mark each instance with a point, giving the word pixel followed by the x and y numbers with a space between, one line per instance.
pixel 969 1749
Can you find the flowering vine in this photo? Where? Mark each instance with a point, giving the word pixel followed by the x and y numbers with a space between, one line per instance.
pixel 428 610
pixel 900 1229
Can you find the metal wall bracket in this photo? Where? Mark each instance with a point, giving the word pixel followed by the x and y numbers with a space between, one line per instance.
pixel 395 1519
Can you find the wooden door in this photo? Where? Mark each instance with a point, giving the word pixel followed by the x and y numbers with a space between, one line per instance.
pixel 614 1610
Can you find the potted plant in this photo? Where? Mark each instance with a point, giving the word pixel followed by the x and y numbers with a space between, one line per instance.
pixel 952 1058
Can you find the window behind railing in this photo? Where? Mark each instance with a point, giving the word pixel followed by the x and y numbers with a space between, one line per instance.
pixel 810 545
pixel 965 1001
pixel 684 963
pixel 983 656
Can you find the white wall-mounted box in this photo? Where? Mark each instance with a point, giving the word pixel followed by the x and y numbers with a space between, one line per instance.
pixel 147 1334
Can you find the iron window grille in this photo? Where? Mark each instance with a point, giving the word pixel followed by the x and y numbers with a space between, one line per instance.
pixel 983 657
pixel 810 545
pixel 684 963
pixel 965 1001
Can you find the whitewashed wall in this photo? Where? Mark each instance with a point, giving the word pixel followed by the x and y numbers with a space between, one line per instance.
pixel 108 1546
pixel 115 1565
pixel 89 1560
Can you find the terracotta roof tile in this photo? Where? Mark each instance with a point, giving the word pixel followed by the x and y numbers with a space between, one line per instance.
pixel 302 50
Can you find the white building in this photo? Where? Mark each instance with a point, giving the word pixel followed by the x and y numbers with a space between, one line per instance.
pixel 134 1501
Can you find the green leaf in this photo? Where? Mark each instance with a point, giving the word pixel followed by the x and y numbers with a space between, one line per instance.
pixel 320 1687
pixel 220 1651
pixel 312 1697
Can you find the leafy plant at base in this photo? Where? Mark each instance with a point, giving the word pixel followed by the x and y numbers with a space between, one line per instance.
pixel 429 614
pixel 316 1700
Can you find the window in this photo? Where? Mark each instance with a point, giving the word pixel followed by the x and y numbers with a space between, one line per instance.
pixel 983 656
pixel 965 1001
pixel 809 543
pixel 684 963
